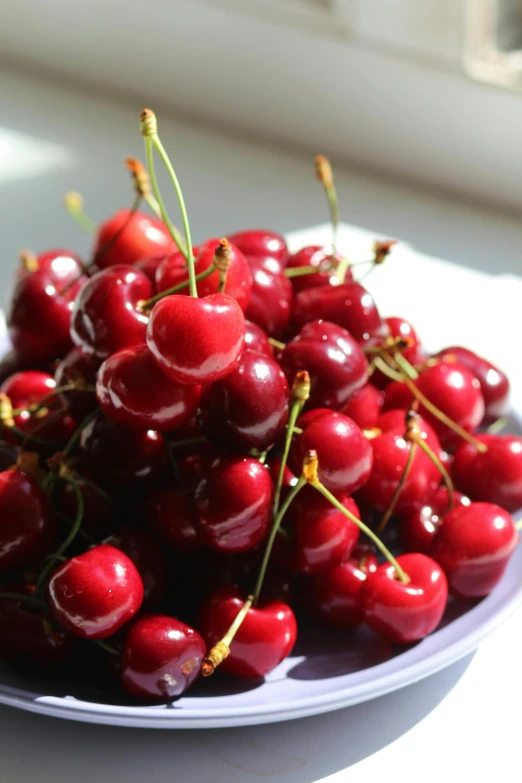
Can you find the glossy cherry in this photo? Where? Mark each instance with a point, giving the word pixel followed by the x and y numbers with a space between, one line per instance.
pixel 271 299
pixel 27 526
pixel 147 556
pixel 172 514
pixel 257 340
pixel 399 327
pixel 321 258
pixel 345 456
pixel 405 613
pixel 364 406
pixel 149 267
pixel 78 367
pixel 418 528
pixel 132 391
pixel 334 360
pixel 106 315
pixel 473 546
pixel 234 504
pixel 265 638
pixel 494 476
pixel 92 595
pixel 249 408
pixel 161 658
pixel 128 237
pixel 196 340
pixel 260 242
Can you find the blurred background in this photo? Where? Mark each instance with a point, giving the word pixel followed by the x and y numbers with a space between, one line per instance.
pixel 417 102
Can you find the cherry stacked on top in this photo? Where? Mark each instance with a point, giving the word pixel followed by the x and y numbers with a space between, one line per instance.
pixel 172 434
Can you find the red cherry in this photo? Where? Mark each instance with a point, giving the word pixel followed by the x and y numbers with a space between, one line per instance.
pixel 27 527
pixel 271 299
pixel 345 456
pixel 333 598
pixel 274 463
pixel 473 545
pixel 418 528
pixel 396 396
pixel 99 513
pixel 148 557
pixel 149 267
pixel 106 315
pixel 234 504
pixel 336 363
pixel 249 408
pixel 126 238
pixel 161 658
pixel 94 594
pixel 257 340
pixel 218 569
pixel 259 243
pixel 320 257
pixel 395 420
pixel 172 514
pixel 39 309
pixel 348 305
pixel 364 406
pixel 132 391
pixel 196 340
pixel 494 384
pixel 77 367
pixel 405 613
pixel 399 327
pixel 265 637
pixel 494 476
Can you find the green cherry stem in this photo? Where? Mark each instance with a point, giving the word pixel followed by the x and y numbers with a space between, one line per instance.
pixel 299 271
pixel 379 364
pixel 300 394
pixel 148 303
pixel 74 206
pixel 106 647
pixel 393 502
pixel 405 366
pixel 28 599
pixel 324 173
pixel 276 344
pixel 442 470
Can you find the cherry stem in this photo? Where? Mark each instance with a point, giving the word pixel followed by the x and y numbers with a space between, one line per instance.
pixel 300 394
pixel 74 206
pixel 42 403
pixel 107 647
pixel 498 425
pixel 405 366
pixel 391 507
pixel 325 176
pixel 70 446
pixel 518 525
pixel 178 444
pixel 221 650
pixel 28 599
pixel 381 365
pixel 26 436
pixel 173 462
pixel 299 271
pixel 277 344
pixel 148 303
pixel 341 270
pixel 442 470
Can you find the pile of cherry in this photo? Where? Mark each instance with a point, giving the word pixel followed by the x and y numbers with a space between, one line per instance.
pixel 199 442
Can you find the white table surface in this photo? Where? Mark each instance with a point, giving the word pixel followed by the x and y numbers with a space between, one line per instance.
pixel 463 721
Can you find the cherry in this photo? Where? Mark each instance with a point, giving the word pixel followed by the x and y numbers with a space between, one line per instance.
pixel 249 408
pixel 80 368
pixel 348 305
pixel 149 267
pixel 132 391
pixel 260 243
pixel 399 327
pixel 418 528
pixel 39 309
pixel 345 456
pixel 128 237
pixel 265 637
pixel 106 316
pixel 196 340
pixel 333 597
pixel 396 396
pixel 218 569
pixel 173 271
pixel 27 527
pixel 99 513
pixel 320 257
pixel 148 557
pixel 396 420
pixel 405 612
pixel 234 504
pixel 9 454
pixel 494 384
pixel 115 454
pixel 172 514
pixel 336 363
pixel 364 406
pixel 161 658
pixel 494 476
pixel 92 595
pixel 271 299
pixel 319 535
pixel 274 463
pixel 473 546
pixel 257 340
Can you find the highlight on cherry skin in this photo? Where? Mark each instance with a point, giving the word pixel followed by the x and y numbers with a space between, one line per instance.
pixel 207 448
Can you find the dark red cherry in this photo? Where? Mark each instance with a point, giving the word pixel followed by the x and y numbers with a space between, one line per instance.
pixel 29 637
pixel 345 456
pixel 106 316
pixel 100 515
pixel 260 242
pixel 348 305
pixel 257 340
pixel 334 360
pixel 39 309
pixel 128 237
pixel 94 594
pixel 11 363
pixel 249 408
pixel 399 327
pixel 319 535
pixel 117 454
pixel 132 391
pixel 27 526
pixel 234 504
pixel 494 476
pixel 196 340
pixel 396 396
pixel 274 463
pixel 265 638
pixel 395 420
pixel 172 514
pixel 364 406
pixel 321 258
pixel 473 546
pixel 149 267
pixel 333 597
pixel 78 368
pixel 148 557
pixel 405 613
pixel 218 569
pixel 418 528
pixel 270 303
pixel 161 658
pixel 494 384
